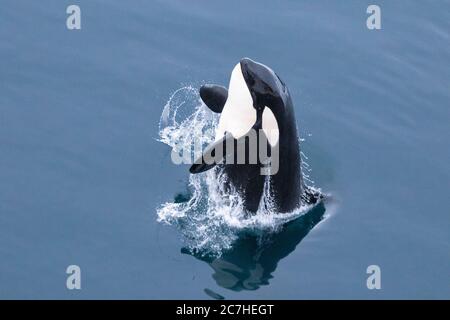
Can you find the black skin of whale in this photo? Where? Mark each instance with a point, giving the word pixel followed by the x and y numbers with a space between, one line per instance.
pixel 287 186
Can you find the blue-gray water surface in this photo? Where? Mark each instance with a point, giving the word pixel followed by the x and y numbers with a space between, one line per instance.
pixel 82 173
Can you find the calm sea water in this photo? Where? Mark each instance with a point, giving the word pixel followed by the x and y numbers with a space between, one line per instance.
pixel 82 174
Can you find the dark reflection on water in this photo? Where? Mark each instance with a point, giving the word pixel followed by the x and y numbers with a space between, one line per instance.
pixel 253 258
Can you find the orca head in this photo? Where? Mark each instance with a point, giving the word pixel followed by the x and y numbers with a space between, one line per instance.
pixel 265 87
pixel 254 95
pixel 268 93
pixel 252 101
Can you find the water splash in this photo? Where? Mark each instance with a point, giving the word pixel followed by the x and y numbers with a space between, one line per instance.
pixel 211 220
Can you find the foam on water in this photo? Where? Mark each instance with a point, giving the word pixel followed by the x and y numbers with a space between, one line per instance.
pixel 211 220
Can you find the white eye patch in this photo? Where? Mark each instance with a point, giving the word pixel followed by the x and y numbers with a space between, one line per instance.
pixel 270 126
pixel 238 115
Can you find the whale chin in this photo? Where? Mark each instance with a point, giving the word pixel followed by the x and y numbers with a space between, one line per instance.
pixel 238 115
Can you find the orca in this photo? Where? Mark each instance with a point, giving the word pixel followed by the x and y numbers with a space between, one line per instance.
pixel 256 100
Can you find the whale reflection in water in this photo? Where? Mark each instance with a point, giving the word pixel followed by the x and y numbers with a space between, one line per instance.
pixel 253 258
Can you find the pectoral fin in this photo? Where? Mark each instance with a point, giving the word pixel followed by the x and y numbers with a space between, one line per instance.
pixel 214 154
pixel 214 96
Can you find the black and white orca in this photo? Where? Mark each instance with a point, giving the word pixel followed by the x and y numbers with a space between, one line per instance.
pixel 257 99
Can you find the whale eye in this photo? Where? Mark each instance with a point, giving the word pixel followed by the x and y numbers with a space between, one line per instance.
pixel 267 88
pixel 270 126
